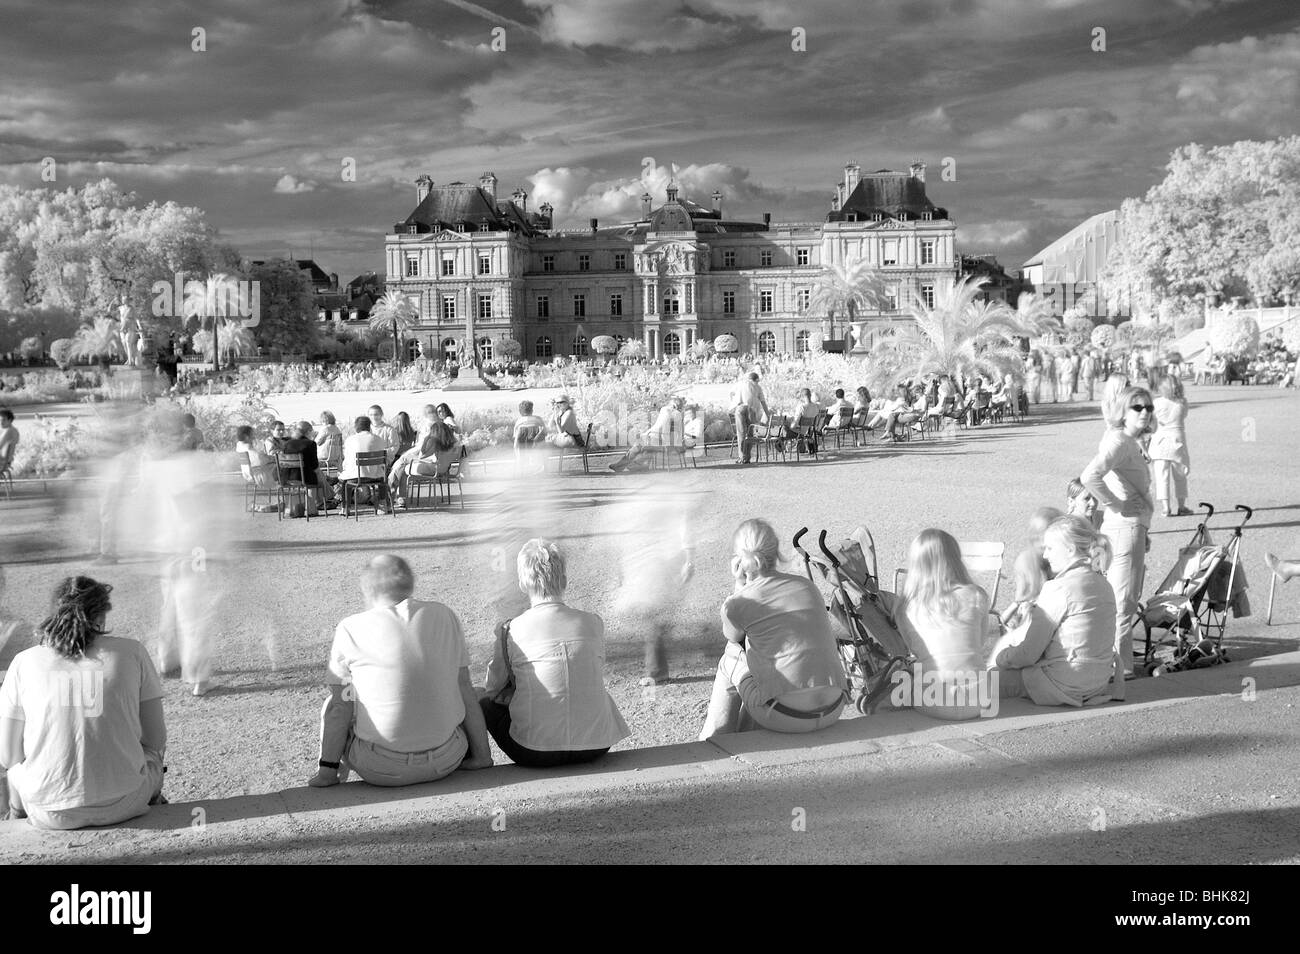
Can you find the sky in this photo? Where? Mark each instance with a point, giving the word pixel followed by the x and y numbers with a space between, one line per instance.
pixel 588 103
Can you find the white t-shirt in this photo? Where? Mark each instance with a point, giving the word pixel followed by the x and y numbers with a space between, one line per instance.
pixel 81 721
pixel 403 663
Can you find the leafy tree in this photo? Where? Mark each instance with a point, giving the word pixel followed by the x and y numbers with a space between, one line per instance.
pixel 506 347
pixel 395 315
pixel 726 344
pixel 288 311
pixel 604 344
pixel 633 349
pixel 1236 334
pixel 1224 221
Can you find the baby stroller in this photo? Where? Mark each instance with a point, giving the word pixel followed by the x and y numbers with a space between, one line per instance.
pixel 870 644
pixel 1191 605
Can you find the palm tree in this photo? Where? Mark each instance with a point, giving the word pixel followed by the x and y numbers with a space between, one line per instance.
pixel 214 303
pixel 844 290
pixel 393 314
pixel 97 341
pixel 237 341
pixel 958 336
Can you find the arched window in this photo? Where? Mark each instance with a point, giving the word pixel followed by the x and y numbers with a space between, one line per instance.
pixel 580 346
pixel 543 347
pixel 767 343
pixel 672 343
pixel 412 349
pixel 485 348
pixel 448 347
pixel 801 340
pixel 672 301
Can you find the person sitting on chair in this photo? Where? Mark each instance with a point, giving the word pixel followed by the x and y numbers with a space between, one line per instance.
pixel 401 709
pixel 301 443
pixel 545 701
pixel 565 431
pixel 664 432
pixel 362 441
pixel 781 669
pixel 437 452
pixel 528 425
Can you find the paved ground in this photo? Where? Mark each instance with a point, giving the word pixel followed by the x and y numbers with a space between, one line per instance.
pixel 1191 769
pixel 280 587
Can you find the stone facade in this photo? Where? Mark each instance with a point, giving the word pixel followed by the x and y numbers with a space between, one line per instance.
pixel 680 273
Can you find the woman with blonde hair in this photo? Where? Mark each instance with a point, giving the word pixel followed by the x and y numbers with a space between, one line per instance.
pixel 1067 654
pixel 1119 478
pixel 1168 449
pixel 781 669
pixel 545 702
pixel 944 617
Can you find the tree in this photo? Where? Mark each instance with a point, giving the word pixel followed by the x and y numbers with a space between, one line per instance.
pixel 632 350
pixel 61 352
pixel 507 347
pixel 211 300
pixel 1103 337
pixel 958 336
pixel 726 344
pixel 287 316
pixel 1223 221
pixel 843 290
pixel 395 315
pixel 97 341
pixel 702 348
pixel 1235 334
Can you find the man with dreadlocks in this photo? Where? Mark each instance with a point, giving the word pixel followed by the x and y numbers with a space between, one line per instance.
pixel 81 719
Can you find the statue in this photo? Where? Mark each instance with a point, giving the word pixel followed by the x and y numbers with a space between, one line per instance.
pixel 129 333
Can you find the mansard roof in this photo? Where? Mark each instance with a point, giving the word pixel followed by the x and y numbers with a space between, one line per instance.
pixel 896 194
pixel 446 207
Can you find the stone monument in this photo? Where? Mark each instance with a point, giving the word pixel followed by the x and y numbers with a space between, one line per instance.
pixel 469 376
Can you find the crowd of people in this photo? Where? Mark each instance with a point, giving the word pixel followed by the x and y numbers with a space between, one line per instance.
pixel 424 448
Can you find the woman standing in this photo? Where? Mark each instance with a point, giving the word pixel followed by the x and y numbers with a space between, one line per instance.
pixel 1047 387
pixel 1168 449
pixel 781 669
pixel 81 719
pixel 1121 481
pixel 1033 376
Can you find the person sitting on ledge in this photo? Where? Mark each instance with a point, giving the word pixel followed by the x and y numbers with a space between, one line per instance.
pixel 82 733
pixel 781 669
pixel 545 702
pixel 401 709
pixel 1068 650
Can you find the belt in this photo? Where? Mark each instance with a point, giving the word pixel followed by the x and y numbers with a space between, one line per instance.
pixel 407 757
pixel 813 714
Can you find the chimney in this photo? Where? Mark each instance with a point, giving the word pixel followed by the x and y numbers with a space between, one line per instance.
pixel 645 205
pixel 547 209
pixel 594 223
pixel 520 198
pixel 488 183
pixel 918 170
pixel 423 185
pixel 852 172
pixel 838 202
pixel 767 219
pixel 717 202
pixel 334 279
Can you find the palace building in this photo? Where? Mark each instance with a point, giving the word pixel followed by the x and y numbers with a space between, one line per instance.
pixel 467 258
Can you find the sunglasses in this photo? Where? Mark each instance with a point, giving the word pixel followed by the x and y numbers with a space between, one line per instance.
pixel 1149 408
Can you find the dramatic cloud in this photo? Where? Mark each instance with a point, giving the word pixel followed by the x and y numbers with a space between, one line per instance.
pixel 289 185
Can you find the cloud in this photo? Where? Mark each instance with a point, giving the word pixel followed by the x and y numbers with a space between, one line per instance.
pixel 974 239
pixel 936 120
pixel 1211 80
pixel 1066 119
pixel 628 24
pixel 291 185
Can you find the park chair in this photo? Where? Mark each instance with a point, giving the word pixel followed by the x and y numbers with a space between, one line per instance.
pixel 7 480
pixel 291 484
pixel 367 460
pixel 774 439
pixel 444 481
pixel 258 479
pixel 839 425
pixel 982 557
pixel 663 452
pixel 804 436
pixel 858 425
pixel 567 452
